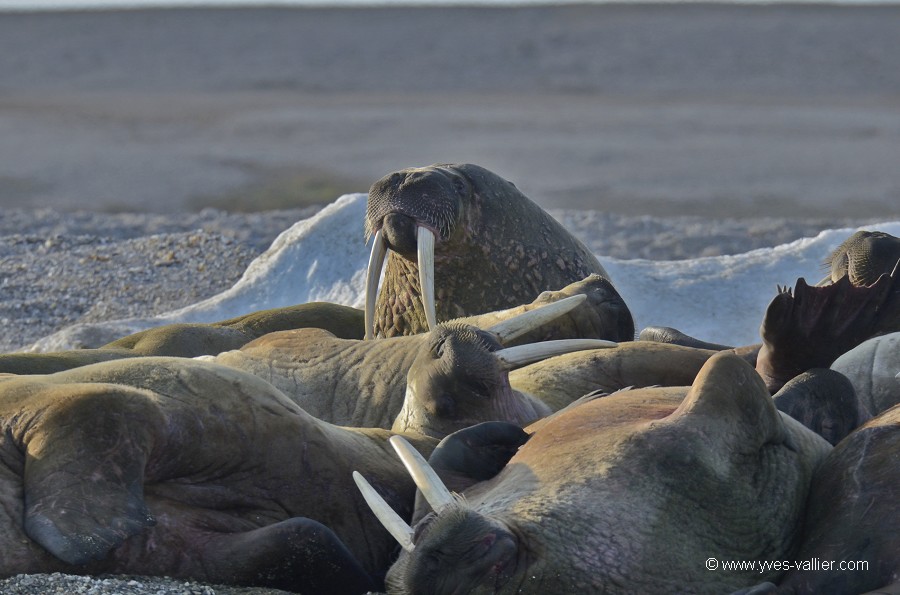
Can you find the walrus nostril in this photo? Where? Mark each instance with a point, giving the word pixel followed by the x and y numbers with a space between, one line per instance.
pixel 400 233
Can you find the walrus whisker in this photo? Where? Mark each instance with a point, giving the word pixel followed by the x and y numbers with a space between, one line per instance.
pixel 373 276
pixel 391 521
pixel 517 326
pixel 522 355
pixel 425 244
pixel 428 482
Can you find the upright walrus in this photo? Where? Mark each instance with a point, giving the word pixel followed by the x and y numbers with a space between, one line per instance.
pixel 460 240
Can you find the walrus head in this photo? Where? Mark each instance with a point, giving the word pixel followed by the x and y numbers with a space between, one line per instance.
pixel 459 240
pixel 863 257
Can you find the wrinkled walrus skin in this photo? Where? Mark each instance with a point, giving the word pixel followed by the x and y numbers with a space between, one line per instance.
pixel 494 247
pixel 629 494
pixel 365 383
pixel 853 514
pixel 168 466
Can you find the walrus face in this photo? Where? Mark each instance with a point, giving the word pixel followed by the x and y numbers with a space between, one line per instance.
pixel 461 375
pixel 863 257
pixel 456 381
pixel 407 213
pixel 485 244
pixel 482 552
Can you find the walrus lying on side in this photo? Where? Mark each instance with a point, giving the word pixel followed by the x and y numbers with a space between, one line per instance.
pixel 170 466
pixel 365 383
pixel 195 339
pixel 459 240
pixel 634 492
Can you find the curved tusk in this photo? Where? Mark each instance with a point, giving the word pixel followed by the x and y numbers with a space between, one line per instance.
pixel 522 355
pixel 395 525
pixel 428 482
pixel 532 319
pixel 373 276
pixel 425 243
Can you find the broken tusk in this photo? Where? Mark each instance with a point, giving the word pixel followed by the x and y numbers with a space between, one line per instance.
pixel 425 243
pixel 373 275
pixel 428 482
pixel 395 525
pixel 522 355
pixel 532 319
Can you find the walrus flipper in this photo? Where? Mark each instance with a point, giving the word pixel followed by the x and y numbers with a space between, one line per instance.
pixel 299 555
pixel 811 326
pixel 84 469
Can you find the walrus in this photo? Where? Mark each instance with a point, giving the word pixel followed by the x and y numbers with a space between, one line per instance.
pixel 863 257
pixel 639 491
pixel 195 339
pixel 849 542
pixel 170 466
pixel 460 240
pixel 364 383
pixel 872 368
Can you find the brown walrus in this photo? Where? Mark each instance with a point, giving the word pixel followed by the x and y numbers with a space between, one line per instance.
pixel 640 491
pixel 460 240
pixel 171 466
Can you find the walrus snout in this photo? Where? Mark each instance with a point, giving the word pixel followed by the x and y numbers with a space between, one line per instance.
pixel 400 234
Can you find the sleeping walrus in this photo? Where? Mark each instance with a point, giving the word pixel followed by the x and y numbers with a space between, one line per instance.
pixel 170 466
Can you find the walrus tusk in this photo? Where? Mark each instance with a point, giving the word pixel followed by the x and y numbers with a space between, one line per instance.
pixel 425 244
pixel 532 319
pixel 395 525
pixel 431 486
pixel 522 355
pixel 373 275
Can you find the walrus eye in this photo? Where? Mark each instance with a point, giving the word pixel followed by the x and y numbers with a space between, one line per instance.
pixel 437 349
pixel 423 525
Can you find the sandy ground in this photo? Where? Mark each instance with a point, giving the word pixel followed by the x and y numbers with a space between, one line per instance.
pixel 711 110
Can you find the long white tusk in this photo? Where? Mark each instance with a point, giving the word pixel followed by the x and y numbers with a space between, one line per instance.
pixel 517 326
pixel 522 355
pixel 373 275
pixel 431 486
pixel 425 244
pixel 395 525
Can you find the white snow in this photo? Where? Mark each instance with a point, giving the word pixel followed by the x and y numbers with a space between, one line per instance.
pixel 720 299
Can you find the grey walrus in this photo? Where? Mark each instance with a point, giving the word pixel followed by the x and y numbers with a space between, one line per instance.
pixel 170 466
pixel 460 240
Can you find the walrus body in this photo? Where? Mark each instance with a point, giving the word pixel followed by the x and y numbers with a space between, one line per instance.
pixel 629 493
pixel 195 339
pixel 168 466
pixel 493 247
pixel 851 519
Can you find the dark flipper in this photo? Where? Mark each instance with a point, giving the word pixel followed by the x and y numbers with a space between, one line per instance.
pixel 471 455
pixel 84 472
pixel 299 554
pixel 811 326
